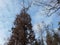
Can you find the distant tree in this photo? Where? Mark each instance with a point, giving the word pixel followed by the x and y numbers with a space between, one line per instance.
pixel 49 39
pixel 53 40
pixel 56 39
pixel 41 31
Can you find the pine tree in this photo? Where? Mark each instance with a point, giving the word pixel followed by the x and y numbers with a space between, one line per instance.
pixel 22 33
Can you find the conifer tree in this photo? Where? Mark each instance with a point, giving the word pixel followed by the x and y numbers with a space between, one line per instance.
pixel 22 33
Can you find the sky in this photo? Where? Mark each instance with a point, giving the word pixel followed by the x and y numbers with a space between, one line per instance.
pixel 10 8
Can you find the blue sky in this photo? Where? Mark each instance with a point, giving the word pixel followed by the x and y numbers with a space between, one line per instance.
pixel 10 8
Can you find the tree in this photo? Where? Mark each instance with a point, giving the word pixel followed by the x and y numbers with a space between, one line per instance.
pixel 49 39
pixel 22 33
pixel 54 39
pixel 41 42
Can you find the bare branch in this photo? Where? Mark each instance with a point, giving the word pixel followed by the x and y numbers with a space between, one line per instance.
pixel 29 4
pixel 26 8
pixel 41 3
pixel 54 7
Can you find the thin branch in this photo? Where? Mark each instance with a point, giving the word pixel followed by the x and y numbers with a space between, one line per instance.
pixel 41 3
pixel 55 7
pixel 54 11
pixel 23 4
pixel 29 4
